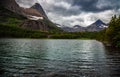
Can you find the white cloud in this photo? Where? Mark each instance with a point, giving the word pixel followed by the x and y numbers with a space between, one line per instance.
pixel 64 13
pixel 83 19
pixel 26 3
pixel 63 5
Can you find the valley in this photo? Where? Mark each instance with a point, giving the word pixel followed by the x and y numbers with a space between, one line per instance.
pixel 33 22
pixel 59 38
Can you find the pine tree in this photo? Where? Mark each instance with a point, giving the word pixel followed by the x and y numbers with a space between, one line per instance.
pixel 112 34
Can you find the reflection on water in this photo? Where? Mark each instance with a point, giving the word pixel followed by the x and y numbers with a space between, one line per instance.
pixel 57 58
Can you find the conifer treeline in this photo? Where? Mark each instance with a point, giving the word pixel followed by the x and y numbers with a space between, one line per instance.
pixel 111 35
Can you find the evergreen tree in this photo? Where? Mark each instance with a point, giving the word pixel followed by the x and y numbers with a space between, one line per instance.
pixel 112 34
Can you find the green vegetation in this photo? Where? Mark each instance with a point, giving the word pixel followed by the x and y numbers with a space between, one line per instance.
pixel 75 35
pixel 8 28
pixel 113 32
pixel 9 18
pixel 111 35
pixel 9 22
pixel 52 27
pixel 16 32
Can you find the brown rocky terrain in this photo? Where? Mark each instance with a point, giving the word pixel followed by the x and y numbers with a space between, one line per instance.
pixel 41 24
pixel 12 6
pixel 33 12
pixel 34 25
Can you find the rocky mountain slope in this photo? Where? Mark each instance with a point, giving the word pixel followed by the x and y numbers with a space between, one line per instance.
pixel 97 26
pixel 39 8
pixel 12 6
pixel 36 17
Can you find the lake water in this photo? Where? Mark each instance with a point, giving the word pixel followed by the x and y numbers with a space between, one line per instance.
pixel 57 58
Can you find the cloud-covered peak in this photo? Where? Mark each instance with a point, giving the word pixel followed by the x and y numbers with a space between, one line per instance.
pixel 76 12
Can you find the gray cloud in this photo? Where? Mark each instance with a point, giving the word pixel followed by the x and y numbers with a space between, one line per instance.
pixel 76 12
pixel 26 3
pixel 97 5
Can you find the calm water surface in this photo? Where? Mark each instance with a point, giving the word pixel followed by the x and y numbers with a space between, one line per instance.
pixel 57 58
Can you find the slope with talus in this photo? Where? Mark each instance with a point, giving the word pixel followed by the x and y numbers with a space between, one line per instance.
pixel 40 25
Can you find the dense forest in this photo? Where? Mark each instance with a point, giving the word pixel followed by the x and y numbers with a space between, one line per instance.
pixel 111 35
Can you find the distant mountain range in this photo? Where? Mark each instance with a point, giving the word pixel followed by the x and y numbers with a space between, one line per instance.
pixel 36 18
pixel 96 26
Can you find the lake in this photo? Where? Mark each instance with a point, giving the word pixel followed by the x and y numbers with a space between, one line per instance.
pixel 57 58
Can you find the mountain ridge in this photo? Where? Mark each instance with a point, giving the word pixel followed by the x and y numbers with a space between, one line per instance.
pixel 38 20
pixel 98 25
pixel 12 6
pixel 38 7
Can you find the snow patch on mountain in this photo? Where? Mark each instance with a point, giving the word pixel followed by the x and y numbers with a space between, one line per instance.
pixel 34 17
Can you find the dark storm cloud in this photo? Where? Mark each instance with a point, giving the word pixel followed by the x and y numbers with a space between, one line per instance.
pixel 91 5
pixel 65 12
pixel 86 5
pixel 77 12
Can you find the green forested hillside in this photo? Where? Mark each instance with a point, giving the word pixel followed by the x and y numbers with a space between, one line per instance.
pixel 9 26
pixel 111 35
pixel 9 22
pixel 9 18
pixel 16 32
pixel 75 35
pixel 113 32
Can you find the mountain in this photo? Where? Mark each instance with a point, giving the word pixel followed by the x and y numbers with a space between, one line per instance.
pixel 67 29
pixel 12 6
pixel 78 28
pixel 42 25
pixel 75 28
pixel 39 8
pixel 35 10
pixel 31 12
pixel 96 26
pixel 8 15
pixel 35 17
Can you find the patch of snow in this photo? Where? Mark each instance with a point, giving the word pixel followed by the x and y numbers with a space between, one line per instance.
pixel 100 26
pixel 58 25
pixel 76 27
pixel 103 26
pixel 34 17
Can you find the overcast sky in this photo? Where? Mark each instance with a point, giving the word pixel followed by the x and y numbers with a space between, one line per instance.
pixel 76 12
